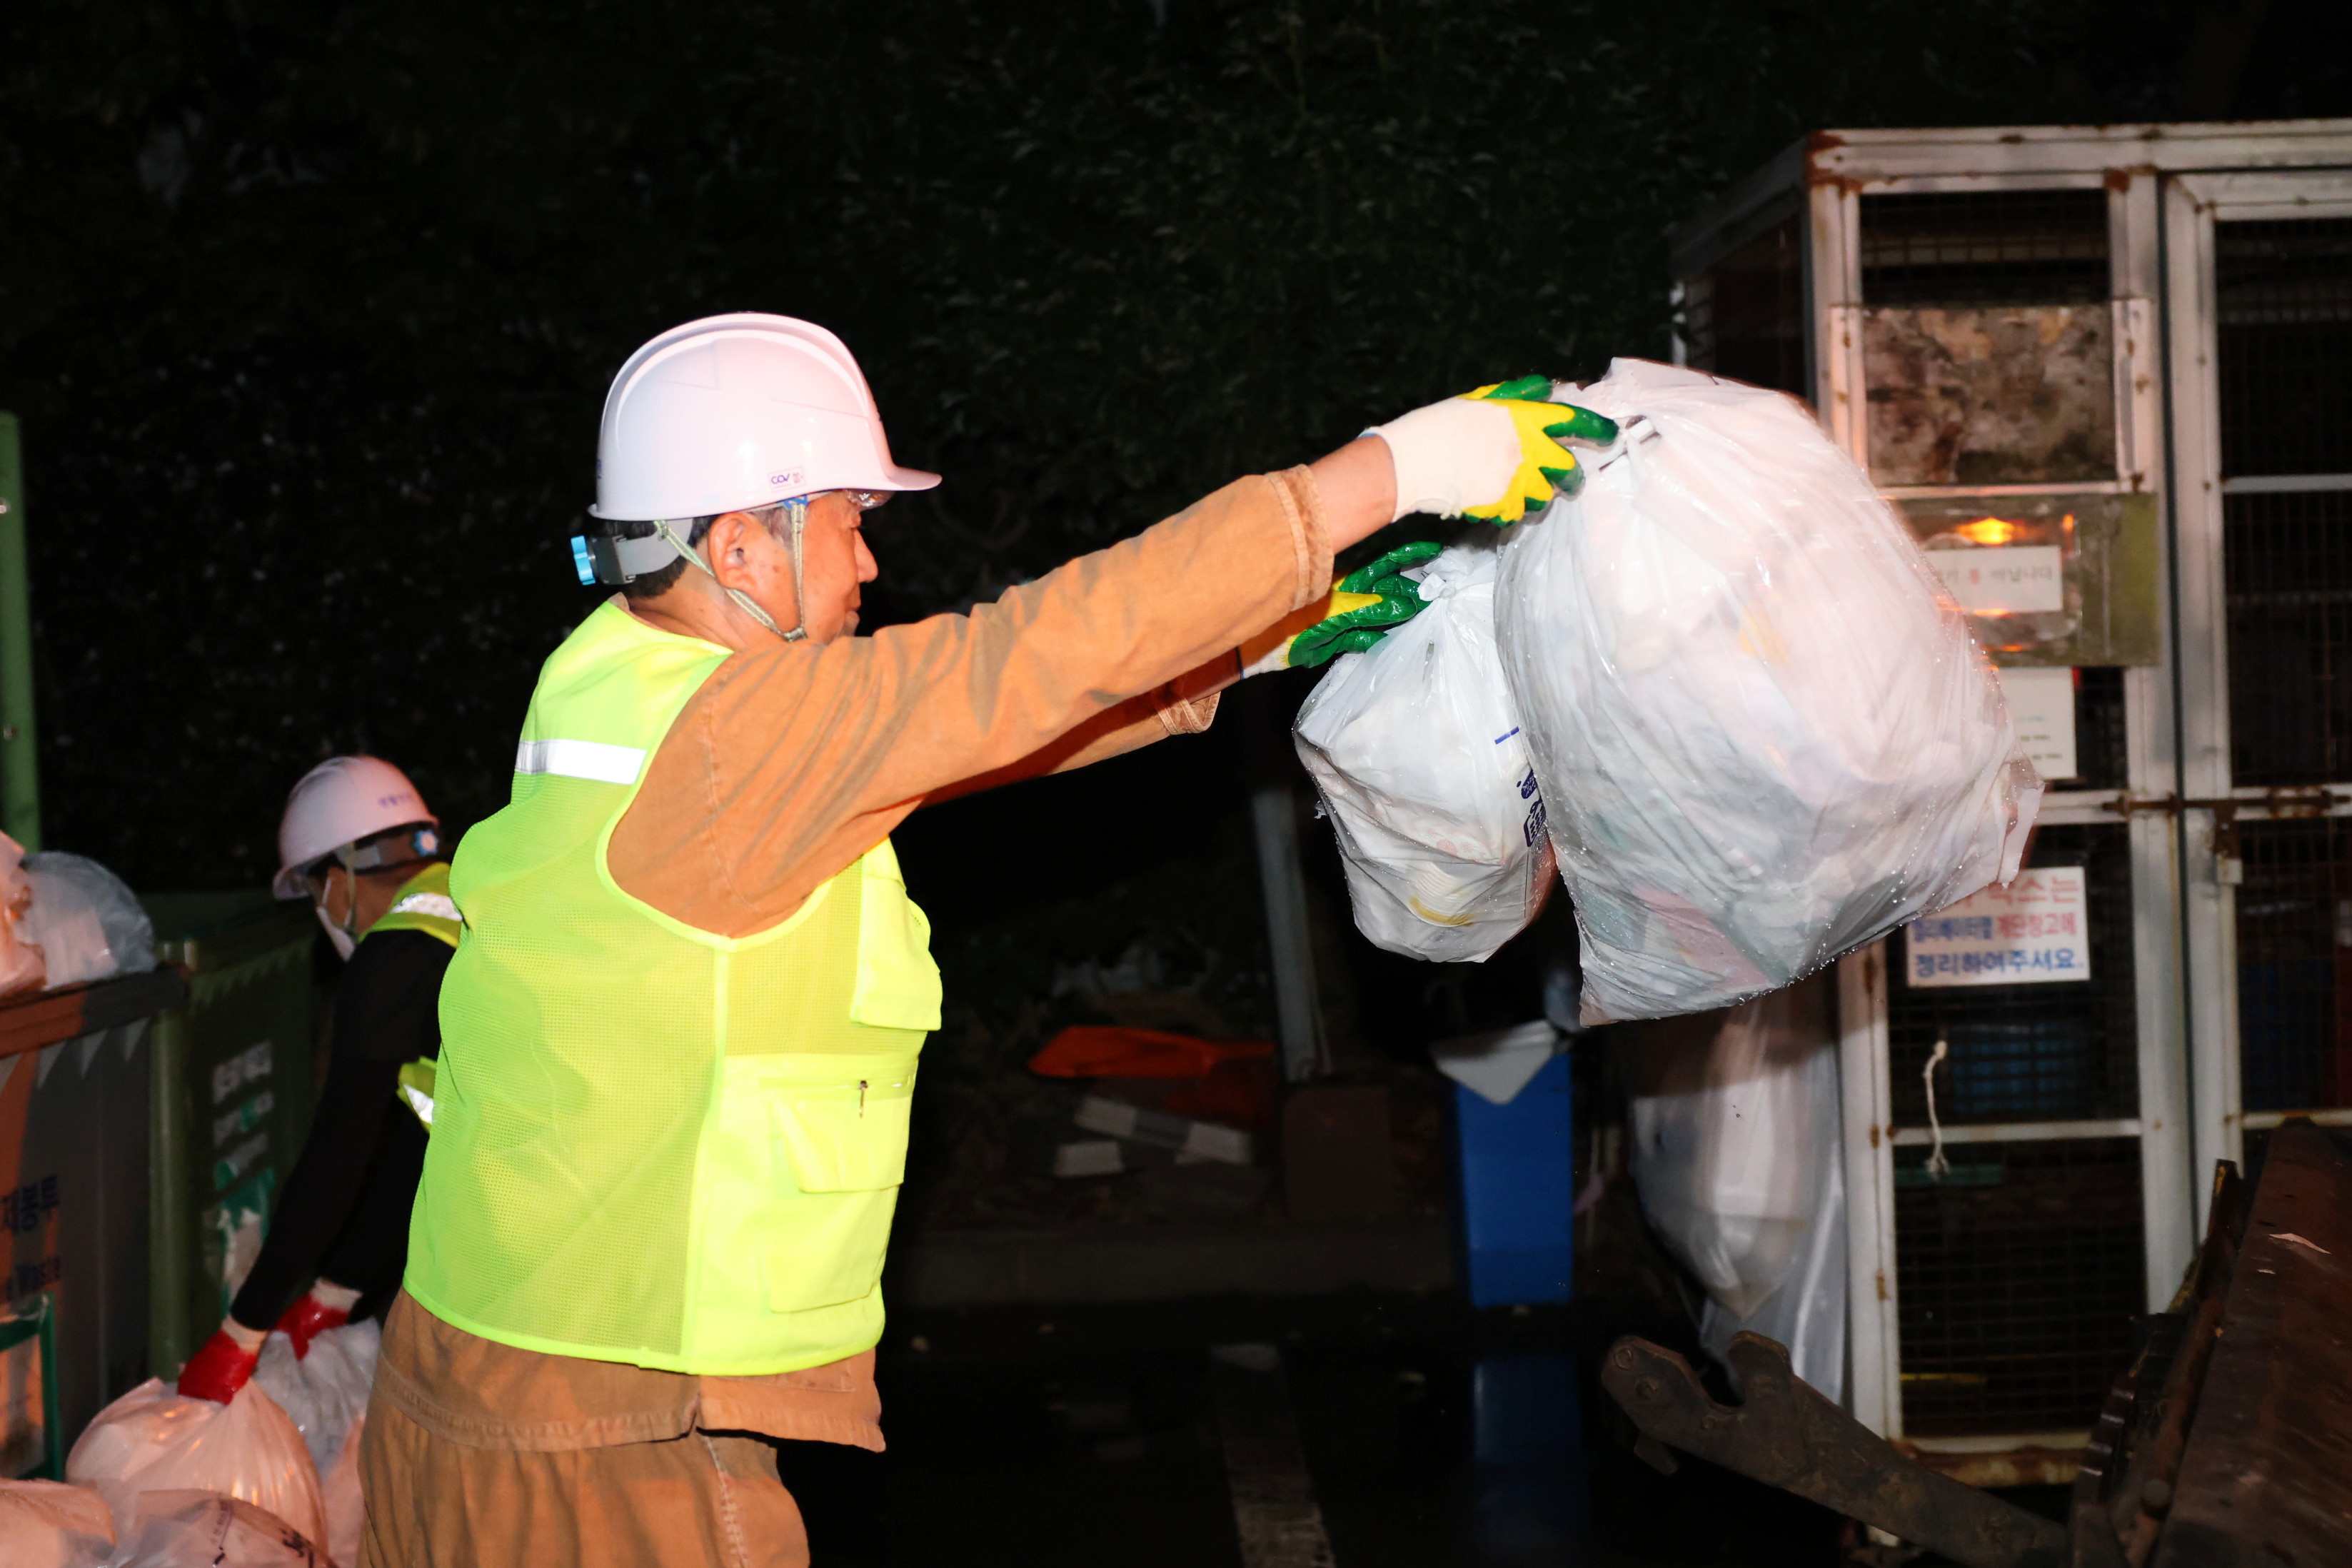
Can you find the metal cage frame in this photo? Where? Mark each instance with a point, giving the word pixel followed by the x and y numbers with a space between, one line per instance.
pixel 2166 185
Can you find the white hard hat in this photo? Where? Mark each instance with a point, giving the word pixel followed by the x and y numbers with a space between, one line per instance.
pixel 735 412
pixel 340 802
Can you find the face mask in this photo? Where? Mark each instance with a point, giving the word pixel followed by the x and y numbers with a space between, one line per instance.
pixel 343 940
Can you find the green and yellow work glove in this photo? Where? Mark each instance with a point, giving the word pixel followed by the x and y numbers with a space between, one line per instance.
pixel 1364 607
pixel 1495 454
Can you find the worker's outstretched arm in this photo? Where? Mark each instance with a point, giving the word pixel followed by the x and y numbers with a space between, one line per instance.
pixel 791 761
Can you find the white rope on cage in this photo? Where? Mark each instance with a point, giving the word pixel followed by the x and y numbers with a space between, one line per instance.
pixel 1937 1166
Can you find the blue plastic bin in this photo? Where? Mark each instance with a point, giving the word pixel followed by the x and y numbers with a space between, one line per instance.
pixel 1518 1169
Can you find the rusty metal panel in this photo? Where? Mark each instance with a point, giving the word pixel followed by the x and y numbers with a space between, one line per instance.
pixel 2018 395
pixel 2264 1478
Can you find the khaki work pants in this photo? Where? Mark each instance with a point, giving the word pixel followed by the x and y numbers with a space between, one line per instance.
pixel 704 1499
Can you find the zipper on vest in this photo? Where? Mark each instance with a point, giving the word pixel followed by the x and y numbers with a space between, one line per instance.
pixel 861 1096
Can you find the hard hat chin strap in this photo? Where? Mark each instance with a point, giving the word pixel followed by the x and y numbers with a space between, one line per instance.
pixel 798 510
pixel 347 856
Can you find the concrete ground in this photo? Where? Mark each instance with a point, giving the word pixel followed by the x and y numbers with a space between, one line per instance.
pixel 1159 1433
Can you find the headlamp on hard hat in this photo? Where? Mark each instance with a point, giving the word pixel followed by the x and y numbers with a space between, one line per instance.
pixel 609 559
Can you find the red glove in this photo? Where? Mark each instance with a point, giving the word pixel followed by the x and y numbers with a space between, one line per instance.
pixel 218 1369
pixel 308 1318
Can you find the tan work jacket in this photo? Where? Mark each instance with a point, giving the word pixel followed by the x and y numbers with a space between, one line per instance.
pixel 791 762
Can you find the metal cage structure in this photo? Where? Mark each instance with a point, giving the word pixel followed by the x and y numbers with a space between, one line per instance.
pixel 2120 357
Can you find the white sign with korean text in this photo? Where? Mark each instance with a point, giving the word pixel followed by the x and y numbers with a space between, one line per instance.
pixel 2042 705
pixel 2037 929
pixel 2009 580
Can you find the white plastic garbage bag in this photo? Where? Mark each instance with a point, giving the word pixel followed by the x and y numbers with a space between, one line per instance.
pixel 152 1439
pixel 46 1525
pixel 191 1529
pixel 325 1395
pixel 1733 1116
pixel 1764 733
pixel 1425 774
pixel 87 923
pixel 325 1391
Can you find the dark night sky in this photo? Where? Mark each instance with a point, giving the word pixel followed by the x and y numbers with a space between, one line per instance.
pixel 309 310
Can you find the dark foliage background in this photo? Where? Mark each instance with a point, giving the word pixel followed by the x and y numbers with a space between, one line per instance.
pixel 308 307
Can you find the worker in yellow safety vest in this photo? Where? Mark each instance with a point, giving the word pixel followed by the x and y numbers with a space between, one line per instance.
pixel 358 841
pixel 679 1037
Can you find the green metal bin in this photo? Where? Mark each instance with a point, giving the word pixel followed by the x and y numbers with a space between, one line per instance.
pixel 231 1104
pixel 75 1070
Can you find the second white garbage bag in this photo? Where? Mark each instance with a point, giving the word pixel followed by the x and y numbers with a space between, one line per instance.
pixel 1732 1117
pixel 1764 732
pixel 1424 771
pixel 325 1395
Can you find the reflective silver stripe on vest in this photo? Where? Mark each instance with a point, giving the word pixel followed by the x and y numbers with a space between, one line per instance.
pixel 439 906
pixel 592 760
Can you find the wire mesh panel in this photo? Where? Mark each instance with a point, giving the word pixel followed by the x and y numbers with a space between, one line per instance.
pixel 2061 1051
pixel 2295 964
pixel 2101 761
pixel 2020 1275
pixel 1745 316
pixel 2287 565
pixel 2283 292
pixel 1989 247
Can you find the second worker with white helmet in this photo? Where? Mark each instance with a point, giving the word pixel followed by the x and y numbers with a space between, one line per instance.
pixel 680 1039
pixel 358 841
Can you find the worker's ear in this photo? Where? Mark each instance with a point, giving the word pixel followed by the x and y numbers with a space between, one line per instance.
pixel 734 546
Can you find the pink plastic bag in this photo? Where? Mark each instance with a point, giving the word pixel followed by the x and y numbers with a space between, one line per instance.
pixel 45 1525
pixel 152 1440
pixel 205 1530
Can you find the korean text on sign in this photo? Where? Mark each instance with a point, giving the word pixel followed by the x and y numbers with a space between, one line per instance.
pixel 2036 929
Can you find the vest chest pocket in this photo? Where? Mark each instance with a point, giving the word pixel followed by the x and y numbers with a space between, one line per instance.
pixel 844 1137
pixel 844 1146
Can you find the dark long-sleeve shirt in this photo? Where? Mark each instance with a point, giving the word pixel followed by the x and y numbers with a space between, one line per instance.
pixel 387 1014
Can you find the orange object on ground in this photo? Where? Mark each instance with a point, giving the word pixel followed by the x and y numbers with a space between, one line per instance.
pixel 1229 1082
pixel 1107 1050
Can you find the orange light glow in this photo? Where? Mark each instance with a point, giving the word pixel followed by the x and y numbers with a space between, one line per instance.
pixel 1990 530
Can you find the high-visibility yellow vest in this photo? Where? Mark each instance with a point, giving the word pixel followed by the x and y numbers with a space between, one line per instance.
pixel 652 1143
pixel 422 904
